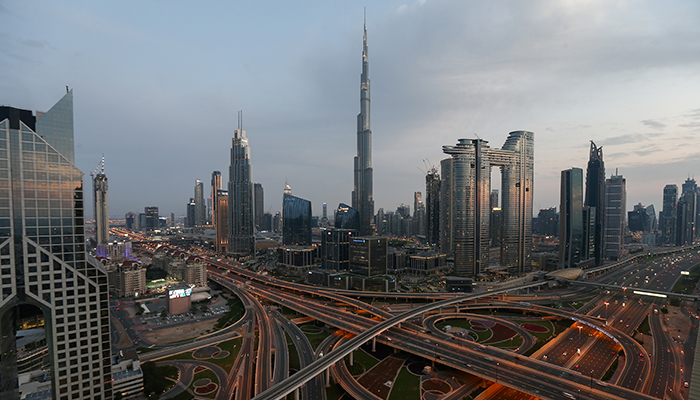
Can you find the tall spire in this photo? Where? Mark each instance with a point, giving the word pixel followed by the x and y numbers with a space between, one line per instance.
pixel 362 199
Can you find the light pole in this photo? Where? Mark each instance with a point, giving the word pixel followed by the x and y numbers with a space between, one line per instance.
pixel 579 332
pixel 497 370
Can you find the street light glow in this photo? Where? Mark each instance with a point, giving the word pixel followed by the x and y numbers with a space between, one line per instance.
pixel 649 294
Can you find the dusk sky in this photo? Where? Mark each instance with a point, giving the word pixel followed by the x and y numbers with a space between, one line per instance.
pixel 157 86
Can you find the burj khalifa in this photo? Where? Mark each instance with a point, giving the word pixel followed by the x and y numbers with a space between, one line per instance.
pixel 362 199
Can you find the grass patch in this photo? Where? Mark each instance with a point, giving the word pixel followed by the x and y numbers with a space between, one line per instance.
pixel 577 304
pixel 154 378
pixel 687 283
pixel 183 396
pixel 294 362
pixel 361 362
pixel 334 392
pixel 317 338
pixel 562 325
pixel 509 344
pixel 233 347
pixel 209 374
pixel 538 335
pixel 538 345
pixel 609 373
pixel 406 386
pixel 465 324
pixel 235 312
pixel 644 327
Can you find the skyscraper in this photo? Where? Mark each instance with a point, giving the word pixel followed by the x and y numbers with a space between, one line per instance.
pixel 190 215
pixel 199 206
pixel 595 198
pixel 296 220
pixel 432 207
pixel 686 212
pixel 362 198
pixel 222 221
pixel 259 196
pixel 216 185
pixel 616 204
pixel 240 191
pixel 571 218
pixel 347 217
pixel 446 206
pixel 100 203
pixel 472 160
pixel 668 214
pixel 152 218
pixel 43 229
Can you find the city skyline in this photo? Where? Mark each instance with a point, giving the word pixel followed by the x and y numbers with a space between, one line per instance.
pixel 621 75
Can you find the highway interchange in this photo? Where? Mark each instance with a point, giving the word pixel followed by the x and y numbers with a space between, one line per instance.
pixel 573 363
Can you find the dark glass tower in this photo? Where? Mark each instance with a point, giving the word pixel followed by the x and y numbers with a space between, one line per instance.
pixel 432 207
pixel 347 217
pixel 43 261
pixel 100 203
pixel 571 218
pixel 595 198
pixel 668 214
pixel 362 198
pixel 199 206
pixel 296 221
pixel 240 202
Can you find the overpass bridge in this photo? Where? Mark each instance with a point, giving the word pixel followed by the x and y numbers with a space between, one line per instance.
pixel 639 292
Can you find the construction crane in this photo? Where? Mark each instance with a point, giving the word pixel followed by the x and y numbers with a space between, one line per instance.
pixel 430 168
pixel 100 168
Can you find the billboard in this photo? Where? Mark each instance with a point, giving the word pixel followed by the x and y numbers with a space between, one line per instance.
pixel 177 293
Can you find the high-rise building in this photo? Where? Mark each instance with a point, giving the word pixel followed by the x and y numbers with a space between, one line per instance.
pixel 571 218
pixel 199 206
pixel 418 214
pixel 668 214
pixel 642 219
pixel 686 212
pixel 362 198
pixel 347 217
pixel 43 229
pixel 447 191
pixel 368 255
pixel 432 207
pixel 222 225
pixel 240 201
pixel 472 160
pixel 152 218
pixel 296 221
pixel 100 203
pixel 216 185
pixel 335 248
pixel 259 196
pixel 616 204
pixel 595 198
pixel 131 219
pixel 191 212
pixel 549 222
pixel 56 126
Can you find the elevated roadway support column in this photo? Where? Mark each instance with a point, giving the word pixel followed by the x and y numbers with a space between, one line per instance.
pixel 374 344
pixel 351 358
pixel 296 394
pixel 328 376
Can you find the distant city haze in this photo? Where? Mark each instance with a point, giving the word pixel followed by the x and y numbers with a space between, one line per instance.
pixel 157 92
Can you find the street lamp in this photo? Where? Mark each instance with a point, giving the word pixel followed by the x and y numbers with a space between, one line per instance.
pixel 579 332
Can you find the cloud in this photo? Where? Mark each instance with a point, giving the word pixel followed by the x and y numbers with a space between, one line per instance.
pixel 653 124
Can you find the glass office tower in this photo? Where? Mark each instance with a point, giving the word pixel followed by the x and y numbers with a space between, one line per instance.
pixel 571 218
pixel 241 216
pixel 296 221
pixel 44 266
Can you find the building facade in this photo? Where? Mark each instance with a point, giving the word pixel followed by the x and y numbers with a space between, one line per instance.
pixel 668 214
pixel 432 207
pixel 240 203
pixel 101 205
pixel 472 160
pixel 45 265
pixel 216 185
pixel 222 221
pixel 347 217
pixel 199 206
pixel 595 199
pixel 362 197
pixel 296 220
pixel 259 195
pixel 616 204
pixel 368 255
pixel 152 217
pixel 571 218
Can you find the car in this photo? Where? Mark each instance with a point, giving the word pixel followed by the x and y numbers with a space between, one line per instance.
pixel 641 355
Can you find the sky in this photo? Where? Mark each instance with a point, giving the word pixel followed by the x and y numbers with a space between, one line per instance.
pixel 158 85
